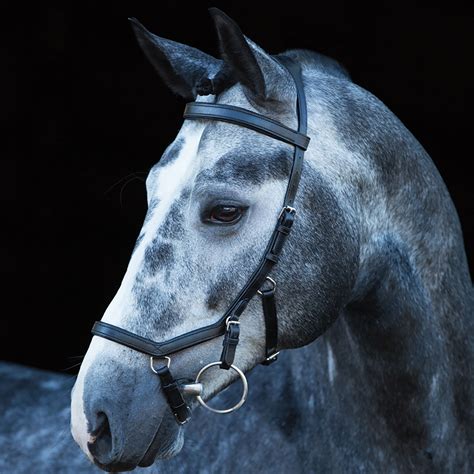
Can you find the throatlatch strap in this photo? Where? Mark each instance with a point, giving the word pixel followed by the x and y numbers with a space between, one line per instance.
pixel 173 395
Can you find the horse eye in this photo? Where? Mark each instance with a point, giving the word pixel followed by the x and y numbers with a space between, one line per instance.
pixel 225 214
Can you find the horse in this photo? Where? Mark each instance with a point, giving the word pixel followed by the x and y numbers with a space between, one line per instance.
pixel 375 302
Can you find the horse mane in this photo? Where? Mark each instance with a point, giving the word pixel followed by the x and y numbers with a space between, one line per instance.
pixel 225 77
pixel 318 61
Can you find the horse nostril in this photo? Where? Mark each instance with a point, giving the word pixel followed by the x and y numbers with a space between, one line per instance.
pixel 101 448
pixel 105 454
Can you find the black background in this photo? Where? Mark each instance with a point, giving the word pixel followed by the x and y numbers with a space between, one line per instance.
pixel 85 117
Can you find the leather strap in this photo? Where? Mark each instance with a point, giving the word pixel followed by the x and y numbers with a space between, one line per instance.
pixel 295 175
pixel 270 258
pixel 158 349
pixel 229 344
pixel 173 395
pixel 271 324
pixel 245 118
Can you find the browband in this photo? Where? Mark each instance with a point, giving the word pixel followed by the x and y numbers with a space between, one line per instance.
pixel 246 118
pixel 272 128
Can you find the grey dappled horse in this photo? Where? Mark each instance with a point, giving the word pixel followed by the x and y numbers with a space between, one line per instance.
pixel 375 266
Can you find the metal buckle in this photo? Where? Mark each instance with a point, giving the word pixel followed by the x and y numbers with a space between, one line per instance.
pixel 287 208
pixel 244 393
pixel 272 281
pixel 168 362
pixel 182 422
pixel 228 322
pixel 272 358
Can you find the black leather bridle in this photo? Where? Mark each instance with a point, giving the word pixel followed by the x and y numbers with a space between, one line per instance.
pixel 228 324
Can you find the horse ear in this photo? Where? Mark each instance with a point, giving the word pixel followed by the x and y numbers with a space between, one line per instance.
pixel 186 70
pixel 255 69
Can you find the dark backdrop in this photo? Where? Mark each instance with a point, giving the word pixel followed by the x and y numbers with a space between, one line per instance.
pixel 92 117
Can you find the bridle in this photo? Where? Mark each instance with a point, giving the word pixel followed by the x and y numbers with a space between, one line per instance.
pixel 259 282
pixel 228 324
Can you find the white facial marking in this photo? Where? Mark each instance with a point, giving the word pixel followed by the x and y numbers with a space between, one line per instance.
pixel 171 181
pixel 331 364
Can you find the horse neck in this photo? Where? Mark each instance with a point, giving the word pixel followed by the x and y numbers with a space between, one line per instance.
pixel 397 356
pixel 382 379
pixel 392 373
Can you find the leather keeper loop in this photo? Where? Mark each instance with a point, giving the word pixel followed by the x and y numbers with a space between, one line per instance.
pixel 283 229
pixel 229 344
pixel 272 257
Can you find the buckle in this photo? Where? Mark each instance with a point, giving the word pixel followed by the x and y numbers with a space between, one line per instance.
pixel 269 360
pixel 186 420
pixel 229 321
pixel 289 209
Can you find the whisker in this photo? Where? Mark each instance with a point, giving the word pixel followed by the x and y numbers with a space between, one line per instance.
pixel 133 178
pixel 121 180
pixel 76 357
pixel 71 367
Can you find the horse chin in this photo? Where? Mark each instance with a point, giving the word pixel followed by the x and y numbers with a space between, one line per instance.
pixel 167 442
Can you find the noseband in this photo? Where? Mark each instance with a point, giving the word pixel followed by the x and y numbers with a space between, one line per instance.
pixel 259 282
